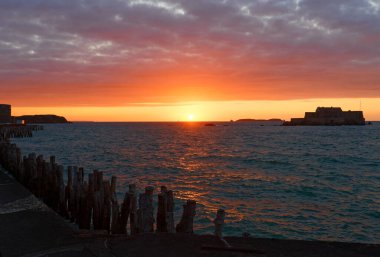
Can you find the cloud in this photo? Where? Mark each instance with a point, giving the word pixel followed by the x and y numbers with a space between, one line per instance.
pixel 116 52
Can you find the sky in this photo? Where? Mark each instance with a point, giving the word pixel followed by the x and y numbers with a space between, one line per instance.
pixel 136 60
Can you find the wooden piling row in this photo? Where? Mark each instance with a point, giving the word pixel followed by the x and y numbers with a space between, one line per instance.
pixel 93 204
pixel 8 131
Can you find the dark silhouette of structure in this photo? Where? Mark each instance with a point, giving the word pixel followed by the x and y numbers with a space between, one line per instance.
pixel 329 116
pixel 5 113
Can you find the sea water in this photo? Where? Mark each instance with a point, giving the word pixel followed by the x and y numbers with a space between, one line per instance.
pixel 314 183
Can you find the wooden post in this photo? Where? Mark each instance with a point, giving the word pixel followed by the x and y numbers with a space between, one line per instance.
pixel 32 172
pixel 96 211
pixel 52 160
pixel 98 176
pixel 54 186
pixel 133 210
pixel 83 216
pixel 40 173
pixel 70 192
pixel 146 218
pixel 46 194
pixel 78 192
pixel 106 220
pixel 19 164
pixel 219 223
pixel 74 195
pixel 90 200
pixel 114 207
pixel 170 212
pixel 61 185
pixel 162 210
pixel 81 175
pixel 187 220
pixel 98 200
pixel 124 215
pixel 95 176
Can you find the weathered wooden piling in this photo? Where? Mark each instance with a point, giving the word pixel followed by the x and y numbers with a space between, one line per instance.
pixel 83 215
pixel 31 170
pixel 187 220
pixel 133 221
pixel 145 211
pixel 61 190
pixel 69 193
pixel 124 215
pixel 128 212
pixel 165 211
pixel 106 215
pixel 8 131
pixel 114 207
pixel 170 212
pixel 40 169
pixel 75 195
pixel 98 200
pixel 162 210
pixel 90 201
pixel 219 223
pixel 52 160
pixel 81 175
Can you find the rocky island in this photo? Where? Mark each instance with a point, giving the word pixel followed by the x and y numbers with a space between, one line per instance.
pixel 49 118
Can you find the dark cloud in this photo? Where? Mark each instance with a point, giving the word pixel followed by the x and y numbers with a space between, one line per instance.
pixel 139 50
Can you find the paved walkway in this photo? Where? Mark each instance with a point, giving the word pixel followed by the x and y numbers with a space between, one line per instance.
pixel 28 227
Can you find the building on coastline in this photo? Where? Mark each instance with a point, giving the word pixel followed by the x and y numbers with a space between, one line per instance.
pixel 329 116
pixel 5 113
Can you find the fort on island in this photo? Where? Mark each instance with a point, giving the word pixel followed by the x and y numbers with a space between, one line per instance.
pixel 333 116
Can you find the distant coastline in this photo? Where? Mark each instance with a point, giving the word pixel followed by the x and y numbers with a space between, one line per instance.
pixel 262 122
pixel 41 119
pixel 259 120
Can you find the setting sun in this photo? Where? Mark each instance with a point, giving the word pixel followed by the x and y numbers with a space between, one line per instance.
pixel 190 117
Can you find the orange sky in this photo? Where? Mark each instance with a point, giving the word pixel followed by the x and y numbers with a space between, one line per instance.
pixel 206 111
pixel 220 60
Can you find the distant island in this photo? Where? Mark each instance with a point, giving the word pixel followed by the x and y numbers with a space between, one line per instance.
pixel 33 119
pixel 259 120
pixel 262 122
pixel 328 116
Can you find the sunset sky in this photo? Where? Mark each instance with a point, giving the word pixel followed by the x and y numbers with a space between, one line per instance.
pixel 136 60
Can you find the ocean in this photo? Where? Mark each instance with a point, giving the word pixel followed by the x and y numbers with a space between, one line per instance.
pixel 312 183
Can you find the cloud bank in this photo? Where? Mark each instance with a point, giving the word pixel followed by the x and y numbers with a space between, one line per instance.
pixel 115 52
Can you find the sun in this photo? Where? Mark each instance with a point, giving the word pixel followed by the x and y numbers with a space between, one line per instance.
pixel 190 117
